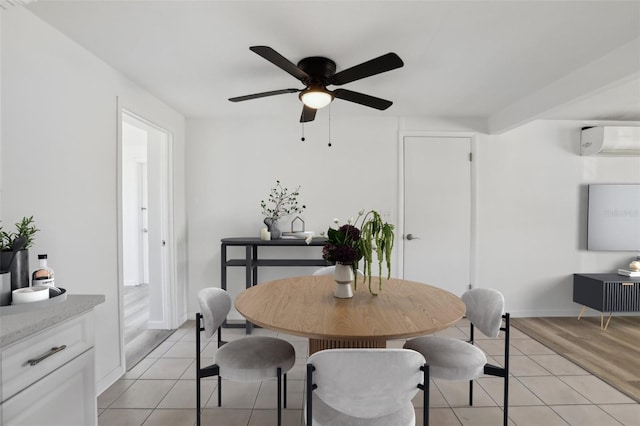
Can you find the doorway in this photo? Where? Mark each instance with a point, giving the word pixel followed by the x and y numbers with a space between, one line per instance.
pixel 437 211
pixel 145 200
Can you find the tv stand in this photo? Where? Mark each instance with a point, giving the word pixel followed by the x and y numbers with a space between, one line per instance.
pixel 606 293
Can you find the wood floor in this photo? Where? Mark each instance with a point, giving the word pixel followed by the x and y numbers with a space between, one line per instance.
pixel 138 339
pixel 612 355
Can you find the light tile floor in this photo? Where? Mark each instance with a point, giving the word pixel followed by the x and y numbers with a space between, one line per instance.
pixel 545 390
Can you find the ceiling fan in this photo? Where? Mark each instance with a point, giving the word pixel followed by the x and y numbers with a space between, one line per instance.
pixel 317 72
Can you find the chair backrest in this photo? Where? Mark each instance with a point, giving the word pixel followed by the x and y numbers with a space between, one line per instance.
pixel 485 307
pixel 215 304
pixel 327 270
pixel 330 270
pixel 367 383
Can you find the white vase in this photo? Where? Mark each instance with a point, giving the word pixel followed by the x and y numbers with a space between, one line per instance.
pixel 343 275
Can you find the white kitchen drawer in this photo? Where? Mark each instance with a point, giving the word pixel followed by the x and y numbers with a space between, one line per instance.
pixel 65 397
pixel 20 365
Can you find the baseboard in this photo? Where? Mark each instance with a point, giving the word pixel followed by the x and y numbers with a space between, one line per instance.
pixel 104 383
pixel 157 325
pixel 140 347
pixel 545 313
pixel 566 313
pixel 183 319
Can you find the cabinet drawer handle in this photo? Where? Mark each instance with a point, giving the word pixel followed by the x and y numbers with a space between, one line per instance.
pixel 44 356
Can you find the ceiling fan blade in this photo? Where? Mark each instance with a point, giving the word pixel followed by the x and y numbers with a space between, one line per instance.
pixel 280 61
pixel 263 94
pixel 308 114
pixel 362 99
pixel 378 65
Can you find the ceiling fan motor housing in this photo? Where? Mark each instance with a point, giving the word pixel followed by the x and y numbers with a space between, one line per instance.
pixel 320 70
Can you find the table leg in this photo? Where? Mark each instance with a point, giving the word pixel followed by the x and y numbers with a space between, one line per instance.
pixel 607 324
pixel 248 255
pixel 584 308
pixel 254 269
pixel 316 345
pixel 223 272
pixel 223 269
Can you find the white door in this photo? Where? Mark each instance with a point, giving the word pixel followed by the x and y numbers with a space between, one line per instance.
pixel 143 230
pixel 152 249
pixel 160 294
pixel 133 198
pixel 437 211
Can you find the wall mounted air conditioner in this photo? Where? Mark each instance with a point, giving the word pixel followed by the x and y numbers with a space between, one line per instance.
pixel 610 140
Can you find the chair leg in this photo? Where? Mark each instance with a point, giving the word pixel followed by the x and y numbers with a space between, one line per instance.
pixel 309 393
pixel 198 404
pixel 279 396
pixel 471 340
pixel 219 391
pixel 198 408
pixel 285 391
pixel 506 400
pixel 507 342
pixel 426 396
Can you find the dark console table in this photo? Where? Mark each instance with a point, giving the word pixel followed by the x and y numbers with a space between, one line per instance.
pixel 606 293
pixel 251 261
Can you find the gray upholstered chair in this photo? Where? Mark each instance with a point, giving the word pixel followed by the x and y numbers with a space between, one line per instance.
pixel 248 359
pixel 454 359
pixel 372 387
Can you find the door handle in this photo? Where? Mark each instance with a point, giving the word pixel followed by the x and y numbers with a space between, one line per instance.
pixel 411 237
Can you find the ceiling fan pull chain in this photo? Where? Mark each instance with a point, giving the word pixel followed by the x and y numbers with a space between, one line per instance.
pixel 302 138
pixel 329 125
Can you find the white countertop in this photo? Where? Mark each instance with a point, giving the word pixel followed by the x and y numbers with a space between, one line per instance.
pixel 17 326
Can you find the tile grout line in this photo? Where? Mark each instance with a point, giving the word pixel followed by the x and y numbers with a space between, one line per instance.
pixel 456 414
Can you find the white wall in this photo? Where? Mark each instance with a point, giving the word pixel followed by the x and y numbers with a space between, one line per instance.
pixel 532 206
pixel 530 183
pixel 234 163
pixel 2 11
pixel 59 163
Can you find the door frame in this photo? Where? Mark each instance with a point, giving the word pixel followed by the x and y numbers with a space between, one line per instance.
pixel 169 287
pixel 473 193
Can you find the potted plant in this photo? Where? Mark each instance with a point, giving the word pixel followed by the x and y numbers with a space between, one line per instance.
pixel 19 267
pixel 281 203
pixel 349 244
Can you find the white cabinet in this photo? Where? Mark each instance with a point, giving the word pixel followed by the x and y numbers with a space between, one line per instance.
pixel 48 378
pixel 66 397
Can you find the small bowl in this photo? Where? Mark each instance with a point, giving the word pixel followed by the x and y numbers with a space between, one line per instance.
pixel 54 291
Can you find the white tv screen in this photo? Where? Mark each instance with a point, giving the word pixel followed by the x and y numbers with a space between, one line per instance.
pixel 614 217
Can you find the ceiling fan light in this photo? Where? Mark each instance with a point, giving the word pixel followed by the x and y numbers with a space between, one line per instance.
pixel 316 98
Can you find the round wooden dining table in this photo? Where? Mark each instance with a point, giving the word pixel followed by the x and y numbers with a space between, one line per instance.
pixel 305 306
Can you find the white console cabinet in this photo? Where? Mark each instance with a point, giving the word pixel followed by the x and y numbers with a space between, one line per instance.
pixel 48 376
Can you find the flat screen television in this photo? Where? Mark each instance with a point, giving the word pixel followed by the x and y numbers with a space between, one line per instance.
pixel 614 217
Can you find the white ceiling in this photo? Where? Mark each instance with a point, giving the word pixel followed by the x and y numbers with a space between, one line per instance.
pixel 506 62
